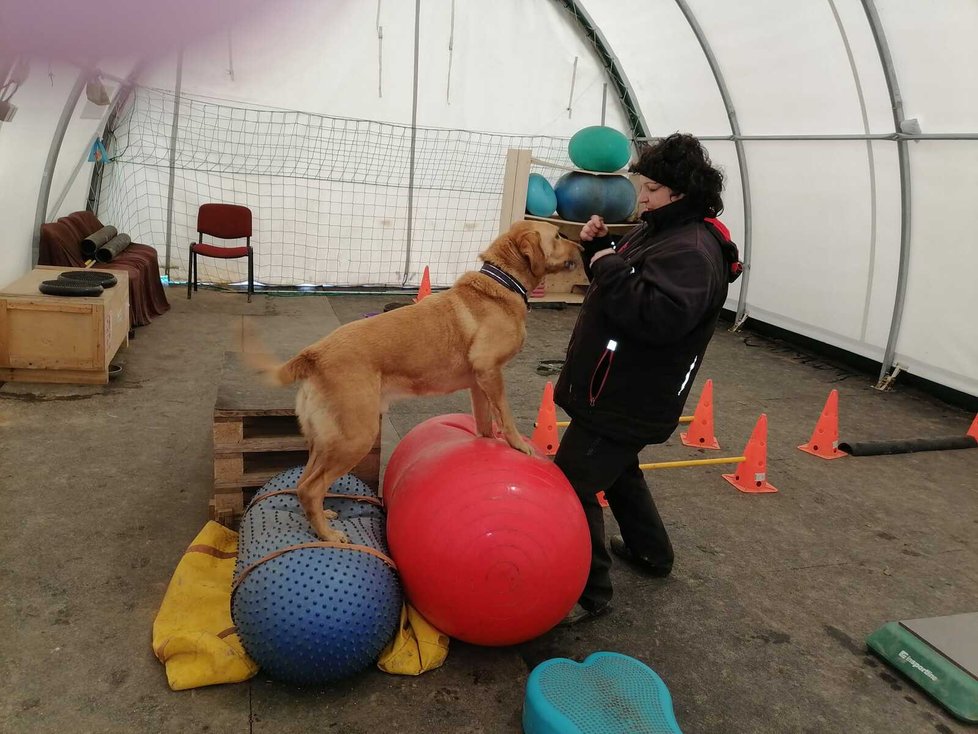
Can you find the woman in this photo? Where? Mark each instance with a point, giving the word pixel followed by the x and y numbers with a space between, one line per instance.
pixel 639 341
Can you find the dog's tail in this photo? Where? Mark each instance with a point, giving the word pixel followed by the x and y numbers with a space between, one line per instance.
pixel 275 372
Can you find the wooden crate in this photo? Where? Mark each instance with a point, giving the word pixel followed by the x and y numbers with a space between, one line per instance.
pixel 59 339
pixel 256 436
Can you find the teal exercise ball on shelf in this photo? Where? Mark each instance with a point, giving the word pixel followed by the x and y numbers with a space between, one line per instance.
pixel 541 201
pixel 579 195
pixel 599 148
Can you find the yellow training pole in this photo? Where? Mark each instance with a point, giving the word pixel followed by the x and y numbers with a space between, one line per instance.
pixel 682 419
pixel 691 462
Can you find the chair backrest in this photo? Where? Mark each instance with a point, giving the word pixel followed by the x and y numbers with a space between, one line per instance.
pixel 227 221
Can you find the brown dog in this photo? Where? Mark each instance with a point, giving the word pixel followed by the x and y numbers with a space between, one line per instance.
pixel 454 340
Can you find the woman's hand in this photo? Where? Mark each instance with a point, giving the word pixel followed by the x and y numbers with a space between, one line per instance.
pixel 595 227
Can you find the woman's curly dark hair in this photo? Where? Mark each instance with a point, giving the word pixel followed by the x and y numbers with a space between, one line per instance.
pixel 681 163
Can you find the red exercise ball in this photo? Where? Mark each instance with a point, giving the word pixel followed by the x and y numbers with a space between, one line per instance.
pixel 492 545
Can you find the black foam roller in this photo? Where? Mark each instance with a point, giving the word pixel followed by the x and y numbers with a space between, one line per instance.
pixel 907 445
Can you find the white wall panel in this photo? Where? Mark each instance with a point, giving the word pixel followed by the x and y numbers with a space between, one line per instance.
pixel 935 56
pixel 939 335
pixel 811 209
pixel 665 65
pixel 866 58
pixel 511 66
pixel 784 63
pixel 881 286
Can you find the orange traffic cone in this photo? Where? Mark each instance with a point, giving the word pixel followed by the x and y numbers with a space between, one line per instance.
pixel 425 289
pixel 751 474
pixel 545 433
pixel 824 442
pixel 700 434
pixel 973 431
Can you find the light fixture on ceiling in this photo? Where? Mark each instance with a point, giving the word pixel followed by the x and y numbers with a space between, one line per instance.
pixel 96 92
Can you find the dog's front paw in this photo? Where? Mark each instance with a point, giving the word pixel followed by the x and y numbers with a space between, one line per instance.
pixel 522 446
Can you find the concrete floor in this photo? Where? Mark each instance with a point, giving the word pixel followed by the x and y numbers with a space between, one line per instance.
pixel 761 627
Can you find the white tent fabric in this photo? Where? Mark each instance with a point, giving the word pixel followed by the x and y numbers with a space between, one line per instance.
pixel 807 87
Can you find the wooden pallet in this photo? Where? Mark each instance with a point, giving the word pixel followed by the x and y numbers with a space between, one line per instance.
pixel 256 436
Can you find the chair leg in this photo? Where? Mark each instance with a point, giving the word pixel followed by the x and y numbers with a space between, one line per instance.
pixel 251 275
pixel 195 272
pixel 190 271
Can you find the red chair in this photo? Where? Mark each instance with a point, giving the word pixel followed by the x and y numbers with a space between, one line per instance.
pixel 228 222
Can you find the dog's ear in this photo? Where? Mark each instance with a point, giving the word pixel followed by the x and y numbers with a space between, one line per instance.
pixel 531 247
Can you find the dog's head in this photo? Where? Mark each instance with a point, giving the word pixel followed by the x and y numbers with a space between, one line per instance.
pixel 534 249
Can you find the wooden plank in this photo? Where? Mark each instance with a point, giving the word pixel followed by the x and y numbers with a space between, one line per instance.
pixel 46 305
pixel 57 376
pixel 228 469
pixel 568 298
pixel 244 469
pixel 227 508
pixel 515 186
pixel 117 317
pixel 98 336
pixel 4 334
pixel 260 445
pixel 573 229
pixel 228 432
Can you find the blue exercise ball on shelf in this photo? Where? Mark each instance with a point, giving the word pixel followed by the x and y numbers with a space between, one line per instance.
pixel 306 612
pixel 599 148
pixel 579 195
pixel 541 201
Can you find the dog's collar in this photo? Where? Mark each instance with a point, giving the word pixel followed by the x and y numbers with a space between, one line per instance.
pixel 503 278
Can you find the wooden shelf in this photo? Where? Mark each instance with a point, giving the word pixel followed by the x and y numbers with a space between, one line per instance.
pixel 568 298
pixel 547 164
pixel 622 226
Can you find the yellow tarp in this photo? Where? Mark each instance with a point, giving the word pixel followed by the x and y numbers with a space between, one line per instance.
pixel 195 638
pixel 193 635
pixel 416 648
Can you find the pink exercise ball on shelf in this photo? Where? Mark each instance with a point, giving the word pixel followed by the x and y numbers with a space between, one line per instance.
pixel 492 545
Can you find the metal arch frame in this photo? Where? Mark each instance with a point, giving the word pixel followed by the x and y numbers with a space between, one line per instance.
pixel 903 157
pixel 626 95
pixel 47 175
pixel 728 104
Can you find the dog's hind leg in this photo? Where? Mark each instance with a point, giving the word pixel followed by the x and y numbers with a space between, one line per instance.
pixel 345 433
pixel 312 474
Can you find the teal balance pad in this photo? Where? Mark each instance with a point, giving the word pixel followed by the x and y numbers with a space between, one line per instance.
pixel 608 693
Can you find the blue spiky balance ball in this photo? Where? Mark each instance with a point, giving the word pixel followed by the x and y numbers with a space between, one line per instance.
pixel 309 614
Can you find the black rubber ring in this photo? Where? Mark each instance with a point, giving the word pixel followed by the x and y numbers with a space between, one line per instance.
pixel 89 277
pixel 65 288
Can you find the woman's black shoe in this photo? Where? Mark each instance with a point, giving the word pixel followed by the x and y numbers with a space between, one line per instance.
pixel 644 565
